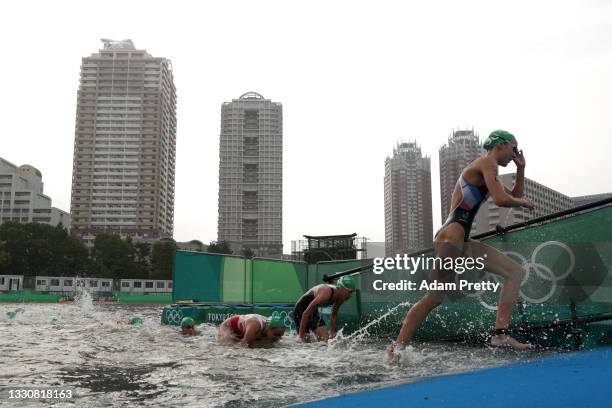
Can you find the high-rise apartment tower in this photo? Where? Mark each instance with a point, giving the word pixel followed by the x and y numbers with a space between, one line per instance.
pixel 408 212
pixel 124 147
pixel 251 175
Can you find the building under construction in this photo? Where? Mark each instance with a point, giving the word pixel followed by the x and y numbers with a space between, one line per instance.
pixel 321 248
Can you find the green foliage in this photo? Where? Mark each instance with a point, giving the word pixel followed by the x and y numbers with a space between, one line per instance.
pixel 199 246
pixel 220 247
pixel 142 252
pixel 39 249
pixel 5 259
pixel 247 253
pixel 162 259
pixel 112 256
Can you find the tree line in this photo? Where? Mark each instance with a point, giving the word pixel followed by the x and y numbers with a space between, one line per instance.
pixel 39 249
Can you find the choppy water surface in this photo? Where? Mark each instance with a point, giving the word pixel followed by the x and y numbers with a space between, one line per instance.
pixel 81 347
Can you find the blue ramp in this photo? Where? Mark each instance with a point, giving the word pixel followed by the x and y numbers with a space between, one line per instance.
pixel 579 379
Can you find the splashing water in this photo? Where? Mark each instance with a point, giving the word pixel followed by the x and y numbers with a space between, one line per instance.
pixel 362 333
pixel 82 298
pixel 105 363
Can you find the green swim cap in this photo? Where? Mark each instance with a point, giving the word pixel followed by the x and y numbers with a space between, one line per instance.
pixel 187 321
pixel 11 314
pixel 498 137
pixel 275 321
pixel 135 320
pixel 347 282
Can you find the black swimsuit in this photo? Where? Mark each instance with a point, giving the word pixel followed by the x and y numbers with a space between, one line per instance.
pixel 315 320
pixel 472 198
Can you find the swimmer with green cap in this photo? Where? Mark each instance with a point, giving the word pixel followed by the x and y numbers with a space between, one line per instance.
pixel 11 314
pixel 252 330
pixel 499 137
pixel 306 313
pixel 476 183
pixel 135 321
pixel 188 327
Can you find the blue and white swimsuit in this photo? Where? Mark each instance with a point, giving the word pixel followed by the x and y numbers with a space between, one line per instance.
pixel 472 198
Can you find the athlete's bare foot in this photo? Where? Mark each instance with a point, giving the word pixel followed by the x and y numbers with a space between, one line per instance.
pixel 504 340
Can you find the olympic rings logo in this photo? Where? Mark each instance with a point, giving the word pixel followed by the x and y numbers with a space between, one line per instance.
pixel 174 316
pixel 287 317
pixel 531 266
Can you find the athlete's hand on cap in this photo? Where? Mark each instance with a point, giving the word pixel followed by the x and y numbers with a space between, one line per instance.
pixel 519 158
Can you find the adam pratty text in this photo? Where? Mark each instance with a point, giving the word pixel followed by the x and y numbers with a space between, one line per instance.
pixel 412 264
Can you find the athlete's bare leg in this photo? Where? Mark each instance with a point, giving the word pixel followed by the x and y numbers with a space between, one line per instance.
pixel 449 243
pixel 513 274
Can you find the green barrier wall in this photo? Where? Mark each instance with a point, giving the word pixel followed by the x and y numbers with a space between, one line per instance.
pixel 29 296
pixel 197 277
pixel 234 278
pixel 142 298
pixel 121 297
pixel 205 277
pixel 277 281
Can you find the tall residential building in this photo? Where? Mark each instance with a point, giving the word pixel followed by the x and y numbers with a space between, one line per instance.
pixel 251 175
pixel 408 219
pixel 463 147
pixel 124 146
pixel 545 199
pixel 22 199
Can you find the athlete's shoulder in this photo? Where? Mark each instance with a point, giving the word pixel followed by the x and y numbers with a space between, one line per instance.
pixel 251 318
pixel 324 288
pixel 486 163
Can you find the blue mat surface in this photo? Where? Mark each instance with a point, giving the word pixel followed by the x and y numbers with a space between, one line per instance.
pixel 578 379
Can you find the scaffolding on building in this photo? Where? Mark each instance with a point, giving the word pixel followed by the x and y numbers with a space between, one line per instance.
pixel 321 248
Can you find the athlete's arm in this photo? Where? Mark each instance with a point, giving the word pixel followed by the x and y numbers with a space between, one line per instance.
pixel 498 193
pixel 519 182
pixel 251 332
pixel 323 293
pixel 517 189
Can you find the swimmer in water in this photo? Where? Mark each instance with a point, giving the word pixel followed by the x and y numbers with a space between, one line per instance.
pixel 306 312
pixel 251 330
pixel 477 181
pixel 134 321
pixel 11 314
pixel 188 327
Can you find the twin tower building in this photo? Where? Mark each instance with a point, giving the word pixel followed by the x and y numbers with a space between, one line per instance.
pixel 408 196
pixel 125 148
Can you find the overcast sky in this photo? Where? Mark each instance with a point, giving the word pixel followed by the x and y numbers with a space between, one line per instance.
pixel 354 78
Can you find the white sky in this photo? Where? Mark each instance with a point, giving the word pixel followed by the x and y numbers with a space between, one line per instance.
pixel 354 78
